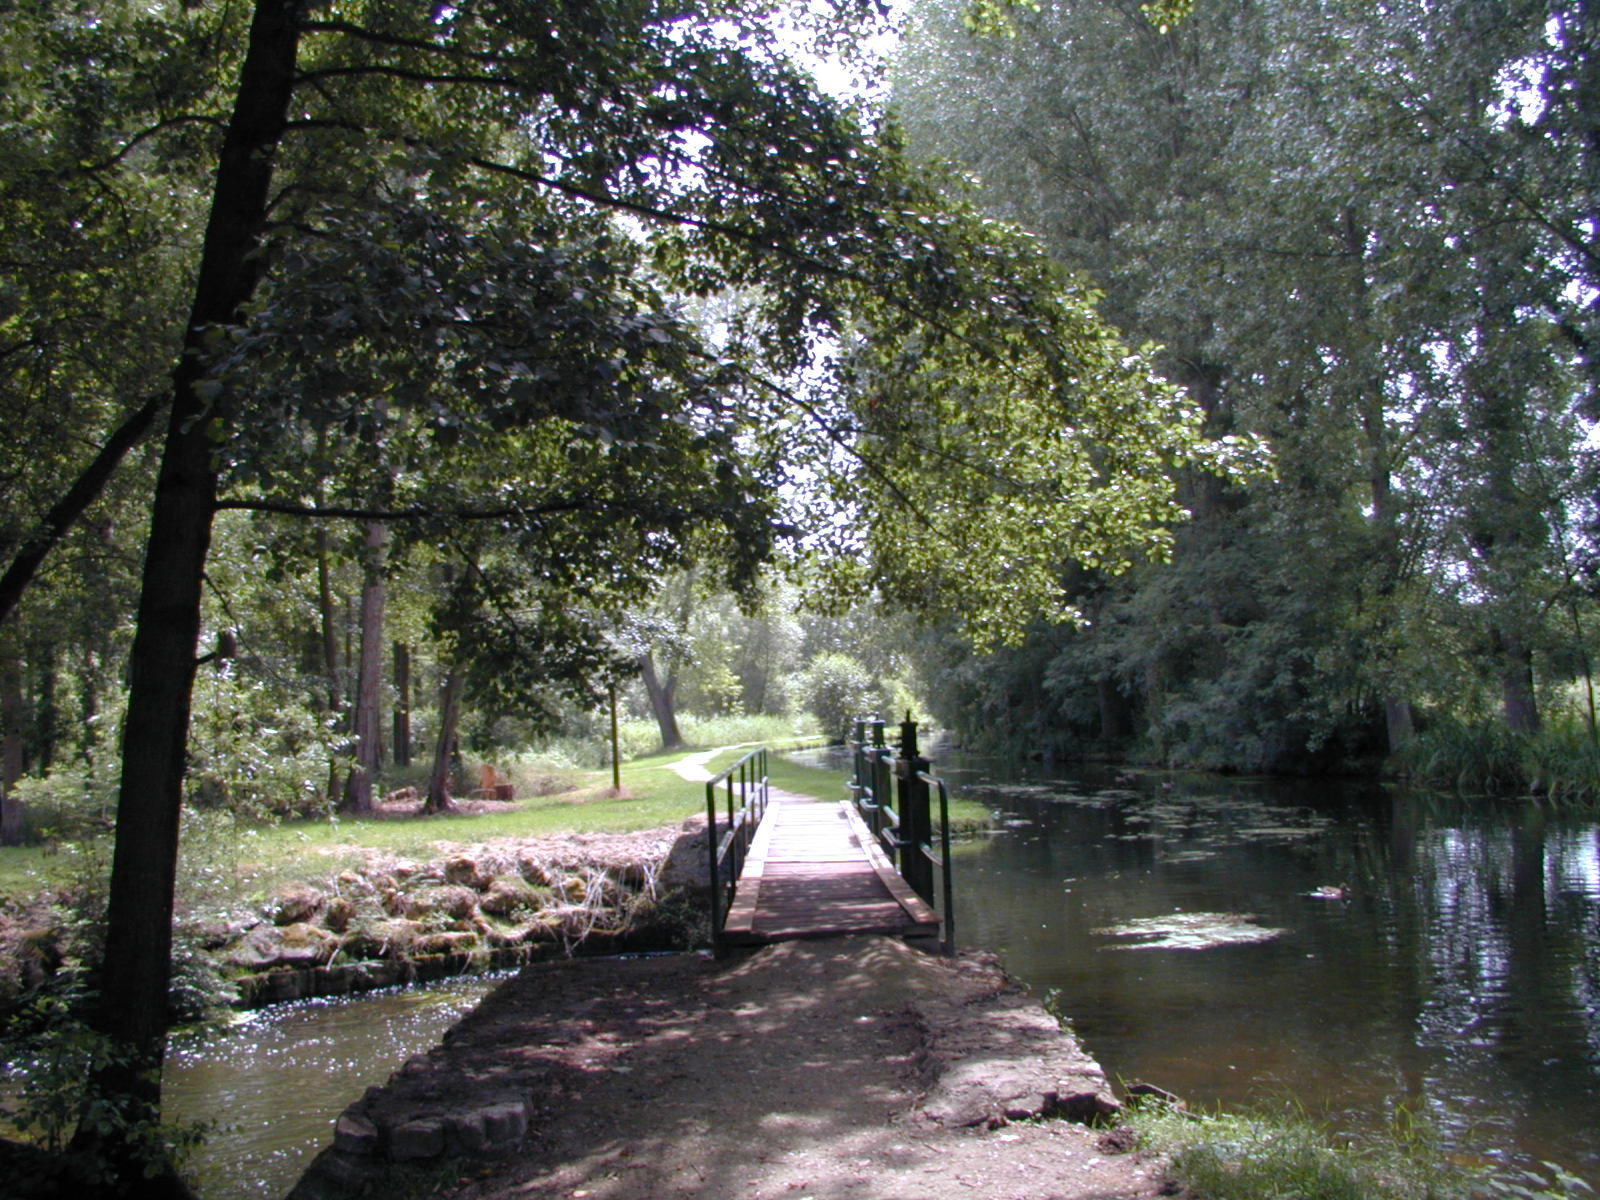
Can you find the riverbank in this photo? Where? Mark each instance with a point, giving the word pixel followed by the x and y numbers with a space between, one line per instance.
pixel 390 919
pixel 846 1067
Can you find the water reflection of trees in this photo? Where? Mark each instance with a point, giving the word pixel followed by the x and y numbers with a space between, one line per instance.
pixel 1494 925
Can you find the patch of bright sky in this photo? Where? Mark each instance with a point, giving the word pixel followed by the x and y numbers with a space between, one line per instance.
pixel 859 78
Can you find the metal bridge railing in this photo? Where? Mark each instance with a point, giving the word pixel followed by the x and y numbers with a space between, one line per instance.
pixel 745 794
pixel 907 832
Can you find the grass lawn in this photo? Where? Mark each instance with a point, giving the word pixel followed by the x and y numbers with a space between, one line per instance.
pixel 653 795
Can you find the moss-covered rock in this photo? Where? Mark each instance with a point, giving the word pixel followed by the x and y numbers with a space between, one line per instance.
pixel 452 900
pixel 295 904
pixel 509 894
pixel 388 938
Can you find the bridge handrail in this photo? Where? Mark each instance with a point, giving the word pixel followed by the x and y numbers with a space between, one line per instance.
pixel 942 861
pixel 876 764
pixel 747 776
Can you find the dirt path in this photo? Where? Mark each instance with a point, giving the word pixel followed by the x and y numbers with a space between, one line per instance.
pixel 847 1069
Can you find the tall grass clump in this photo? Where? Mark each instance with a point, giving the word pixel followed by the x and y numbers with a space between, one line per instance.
pixel 1560 762
pixel 1289 1156
pixel 1478 756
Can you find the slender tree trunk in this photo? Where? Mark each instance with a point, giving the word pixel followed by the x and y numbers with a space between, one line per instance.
pixel 616 743
pixel 1588 674
pixel 46 723
pixel 1384 524
pixel 449 717
pixel 663 702
pixel 402 704
pixel 138 957
pixel 329 631
pixel 369 675
pixel 95 648
pixel 12 812
pixel 89 700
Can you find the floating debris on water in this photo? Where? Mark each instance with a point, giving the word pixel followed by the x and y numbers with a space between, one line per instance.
pixel 1329 891
pixel 1189 931
pixel 1189 856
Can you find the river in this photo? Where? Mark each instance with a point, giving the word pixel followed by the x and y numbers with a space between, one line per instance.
pixel 1366 953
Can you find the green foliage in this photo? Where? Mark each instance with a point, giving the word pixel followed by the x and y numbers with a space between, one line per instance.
pixel 56 1062
pixel 1560 762
pixel 1243 186
pixel 68 804
pixel 837 689
pixel 1480 757
pixel 253 749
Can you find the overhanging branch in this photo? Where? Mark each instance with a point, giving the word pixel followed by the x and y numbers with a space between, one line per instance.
pixel 335 512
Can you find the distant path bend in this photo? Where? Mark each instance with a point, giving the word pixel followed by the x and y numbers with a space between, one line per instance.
pixel 693 767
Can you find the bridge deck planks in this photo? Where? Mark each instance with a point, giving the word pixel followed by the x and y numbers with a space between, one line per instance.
pixel 814 870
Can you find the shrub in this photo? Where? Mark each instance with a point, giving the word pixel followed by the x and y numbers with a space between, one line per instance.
pixel 54 1060
pixel 69 804
pixel 837 689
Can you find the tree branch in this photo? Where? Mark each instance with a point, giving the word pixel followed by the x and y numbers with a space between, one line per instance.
pixel 489 81
pixel 66 511
pixel 405 43
pixel 186 119
pixel 334 512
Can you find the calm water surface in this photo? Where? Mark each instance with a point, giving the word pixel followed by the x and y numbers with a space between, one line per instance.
pixel 1459 979
pixel 277 1080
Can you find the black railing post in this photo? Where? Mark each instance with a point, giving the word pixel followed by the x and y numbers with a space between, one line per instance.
pixel 916 823
pixel 858 761
pixel 716 889
pixel 882 789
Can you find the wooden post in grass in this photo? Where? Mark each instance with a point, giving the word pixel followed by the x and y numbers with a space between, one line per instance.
pixel 616 756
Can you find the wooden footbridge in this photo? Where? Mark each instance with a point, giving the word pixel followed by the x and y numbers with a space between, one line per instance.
pixel 785 866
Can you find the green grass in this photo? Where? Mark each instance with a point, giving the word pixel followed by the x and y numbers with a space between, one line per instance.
pixel 26 869
pixel 653 795
pixel 251 859
pixel 1288 1156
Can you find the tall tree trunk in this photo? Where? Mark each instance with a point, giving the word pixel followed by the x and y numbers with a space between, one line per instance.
pixel 438 799
pixel 369 675
pixel 1506 523
pixel 1520 703
pixel 402 704
pixel 12 813
pixel 138 957
pixel 663 702
pixel 1384 524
